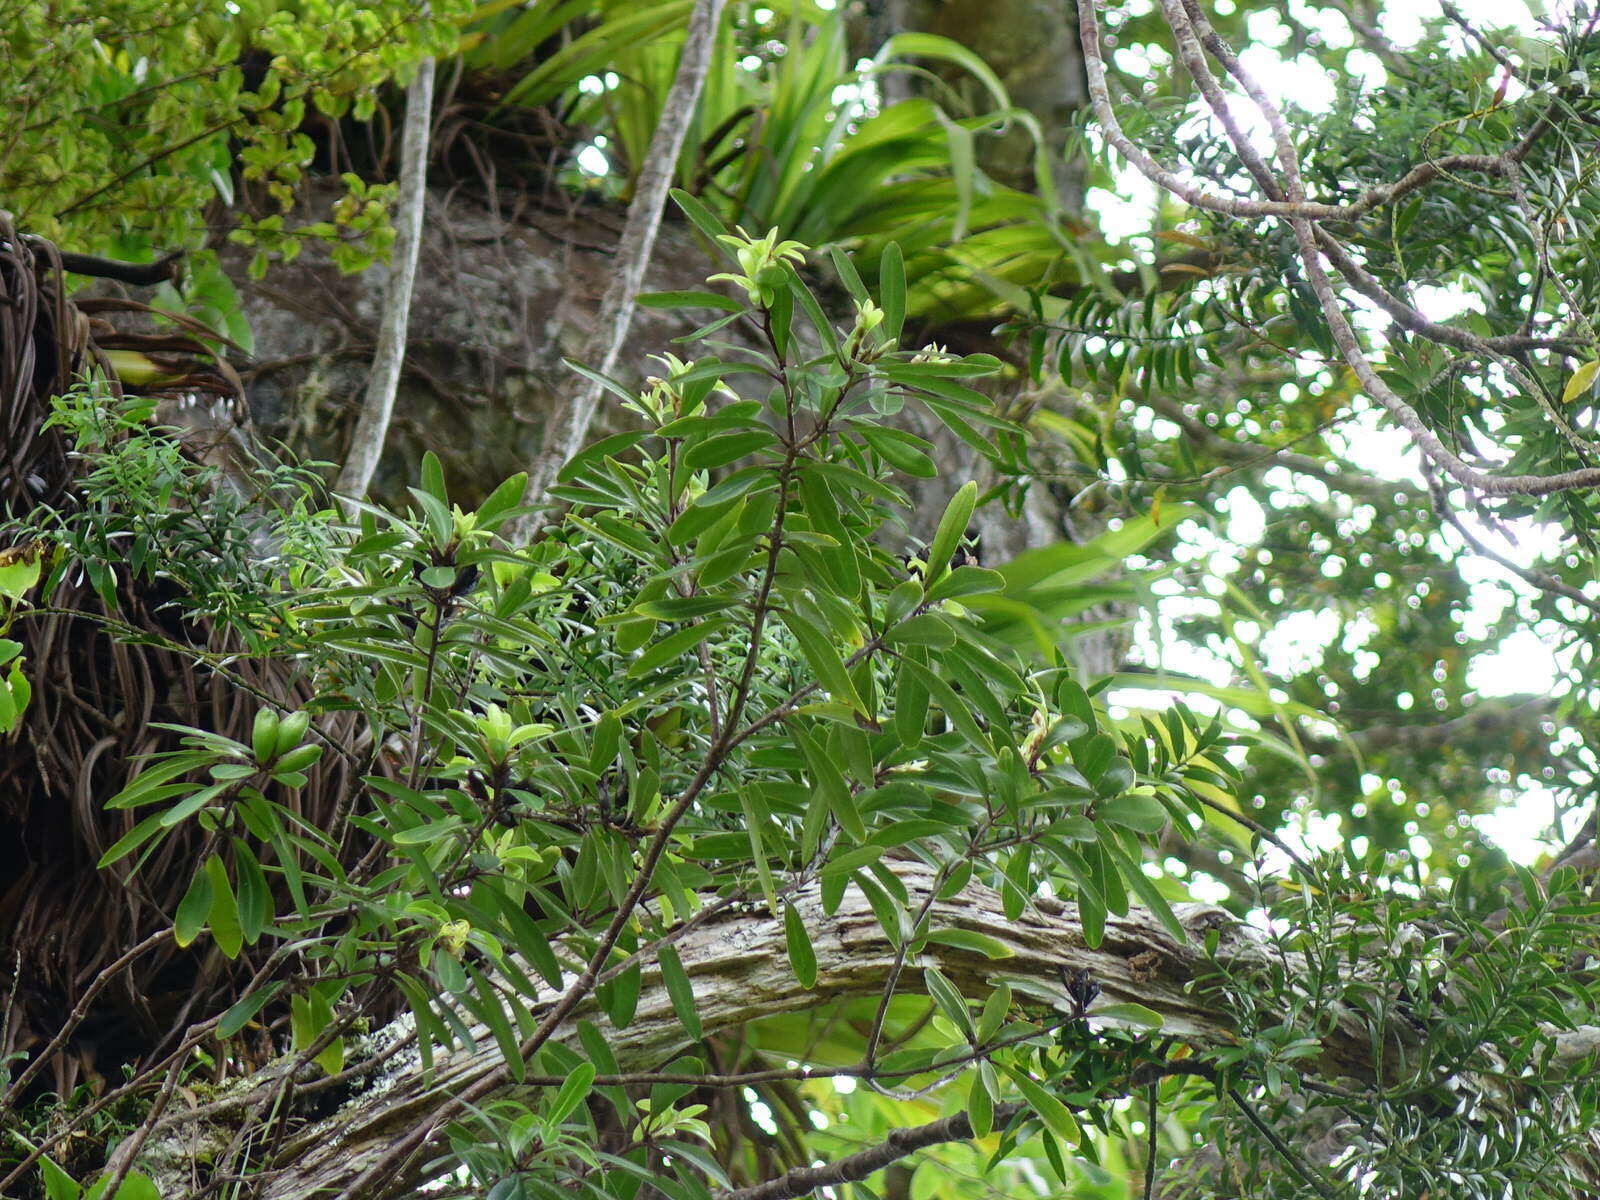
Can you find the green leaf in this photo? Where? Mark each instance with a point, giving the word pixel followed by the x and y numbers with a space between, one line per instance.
pixel 673 647
pixel 1130 1014
pixel 995 1010
pixel 620 997
pixel 949 1000
pixel 501 502
pixel 980 1108
pixel 848 275
pixel 224 918
pixel 952 527
pixel 689 299
pixel 433 476
pixel 255 898
pixel 137 1186
pixel 573 1092
pixel 831 786
pixel 905 452
pixel 679 989
pixel 1055 1115
pixel 802 957
pixel 726 448
pixel 193 909
pixel 698 213
pixel 969 939
pixel 1137 811
pixel 892 289
pixel 237 1017
pixel 824 660
pixel 1581 381
pixel 58 1185
pixel 133 839
pixel 19 570
pixel 683 608
pixel 1146 889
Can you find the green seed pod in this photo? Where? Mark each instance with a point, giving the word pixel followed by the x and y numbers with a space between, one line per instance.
pixel 298 759
pixel 292 731
pixel 264 736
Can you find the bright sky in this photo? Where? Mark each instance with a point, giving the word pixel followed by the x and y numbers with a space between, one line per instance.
pixel 1527 661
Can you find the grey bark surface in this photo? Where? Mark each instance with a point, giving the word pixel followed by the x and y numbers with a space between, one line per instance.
pixel 503 295
pixel 570 428
pixel 366 444
pixel 739 968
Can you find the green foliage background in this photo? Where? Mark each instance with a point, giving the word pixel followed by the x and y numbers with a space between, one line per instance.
pixel 730 671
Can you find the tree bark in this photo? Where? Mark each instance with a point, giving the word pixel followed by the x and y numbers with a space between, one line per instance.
pixel 366 444
pixel 569 430
pixel 740 971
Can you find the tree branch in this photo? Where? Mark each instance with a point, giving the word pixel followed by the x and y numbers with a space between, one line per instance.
pixel 802 1181
pixel 372 429
pixel 568 429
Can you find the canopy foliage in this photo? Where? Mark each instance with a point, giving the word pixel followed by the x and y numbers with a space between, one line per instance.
pixel 760 825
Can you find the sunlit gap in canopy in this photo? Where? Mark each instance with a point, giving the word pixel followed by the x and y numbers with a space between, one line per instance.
pixel 1531 660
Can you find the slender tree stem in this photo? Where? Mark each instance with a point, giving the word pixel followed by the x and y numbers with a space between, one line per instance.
pixel 372 428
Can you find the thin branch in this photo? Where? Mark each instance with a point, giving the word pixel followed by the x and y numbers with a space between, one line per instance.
pixel 1287 201
pixel 802 1181
pixel 1542 580
pixel 372 429
pixel 1233 206
pixel 77 1015
pixel 1152 1091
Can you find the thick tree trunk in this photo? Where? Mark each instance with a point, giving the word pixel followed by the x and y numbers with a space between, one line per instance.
pixel 739 967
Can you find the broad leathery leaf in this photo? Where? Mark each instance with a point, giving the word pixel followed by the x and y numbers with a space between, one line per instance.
pixel 1146 889
pixel 1135 810
pixel 950 1001
pixel 693 299
pixel 502 502
pixel 952 527
pixel 19 569
pixel 1066 563
pixel 1130 1014
pixel 58 1185
pixel 1581 381
pixel 133 839
pixel 309 1015
pixel 193 909
pixel 224 918
pixel 802 956
pixel 968 939
pixel 892 289
pixel 679 989
pixel 831 787
pixel 699 214
pixel 756 816
pixel 819 651
pixel 137 1186
pixel 237 1017
pixel 995 1010
pixel 980 1109
pixel 1055 1115
pixel 572 1093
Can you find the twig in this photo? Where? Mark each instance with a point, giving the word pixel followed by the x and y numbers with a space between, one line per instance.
pixel 802 1181
pixel 78 1013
